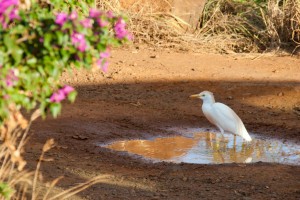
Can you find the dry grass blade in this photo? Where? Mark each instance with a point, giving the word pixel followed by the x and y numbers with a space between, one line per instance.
pixel 36 114
pixel 47 146
pixel 76 189
pixel 52 185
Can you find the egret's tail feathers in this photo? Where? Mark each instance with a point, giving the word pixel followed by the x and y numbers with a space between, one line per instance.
pixel 244 134
pixel 247 137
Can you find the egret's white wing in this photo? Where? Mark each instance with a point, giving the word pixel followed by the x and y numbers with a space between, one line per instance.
pixel 230 121
pixel 226 118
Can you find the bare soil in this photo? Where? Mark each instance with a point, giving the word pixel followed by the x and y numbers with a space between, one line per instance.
pixel 145 92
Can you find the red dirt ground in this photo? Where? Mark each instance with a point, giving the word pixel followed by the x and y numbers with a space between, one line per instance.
pixel 145 92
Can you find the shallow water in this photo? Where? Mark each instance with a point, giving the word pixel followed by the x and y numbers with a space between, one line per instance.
pixel 211 148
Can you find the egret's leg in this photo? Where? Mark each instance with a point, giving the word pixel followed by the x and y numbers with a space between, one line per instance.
pixel 234 141
pixel 222 132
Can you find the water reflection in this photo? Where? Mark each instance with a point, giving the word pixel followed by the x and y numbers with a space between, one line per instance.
pixel 211 148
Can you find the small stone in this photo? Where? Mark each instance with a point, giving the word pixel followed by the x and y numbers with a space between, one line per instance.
pixel 154 56
pixel 280 94
pixel 184 179
pixel 230 97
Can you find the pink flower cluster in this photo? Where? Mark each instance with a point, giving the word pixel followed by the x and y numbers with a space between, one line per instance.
pixel 120 30
pixel 62 18
pixel 11 77
pixel 61 94
pixel 8 8
pixel 102 62
pixel 78 40
pixel 96 14
pixel 86 23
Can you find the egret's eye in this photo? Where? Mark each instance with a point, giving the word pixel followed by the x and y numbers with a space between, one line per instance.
pixel 203 95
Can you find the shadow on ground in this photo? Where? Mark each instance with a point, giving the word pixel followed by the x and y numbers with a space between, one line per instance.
pixel 108 112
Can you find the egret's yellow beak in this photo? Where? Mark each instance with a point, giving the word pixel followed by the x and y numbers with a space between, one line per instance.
pixel 194 96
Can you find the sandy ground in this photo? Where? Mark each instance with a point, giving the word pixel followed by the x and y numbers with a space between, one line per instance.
pixel 146 92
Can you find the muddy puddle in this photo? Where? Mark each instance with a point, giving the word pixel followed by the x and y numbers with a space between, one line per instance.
pixel 211 148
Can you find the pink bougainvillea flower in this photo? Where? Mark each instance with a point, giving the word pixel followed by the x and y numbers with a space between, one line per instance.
pixel 5 6
pixel 61 18
pixel 104 67
pixel 61 94
pixel 6 96
pixel 9 82
pixel 57 96
pixel 14 14
pixel 86 23
pixel 110 14
pixel 12 77
pixel 120 29
pixel 105 54
pixel 78 41
pixel 94 13
pixel 102 64
pixel 130 36
pixel 102 23
pixel 67 89
pixel 73 15
pixel 3 22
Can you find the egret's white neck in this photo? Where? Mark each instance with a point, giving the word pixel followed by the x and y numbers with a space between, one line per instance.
pixel 209 100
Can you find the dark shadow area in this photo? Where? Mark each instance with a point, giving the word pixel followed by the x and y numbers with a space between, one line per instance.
pixel 107 112
pixel 168 103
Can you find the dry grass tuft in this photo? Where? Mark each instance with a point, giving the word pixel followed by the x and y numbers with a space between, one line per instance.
pixel 282 19
pixel 149 24
pixel 16 182
pixel 225 25
pixel 233 25
pixel 295 24
pixel 13 139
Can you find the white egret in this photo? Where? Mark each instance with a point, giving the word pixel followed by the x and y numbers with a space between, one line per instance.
pixel 222 116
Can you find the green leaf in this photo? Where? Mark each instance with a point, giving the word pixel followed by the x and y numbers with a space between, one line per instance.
pixel 17 54
pixel 55 109
pixel 72 96
pixel 47 40
pixel 32 61
pixel 60 37
pixel 5 190
pixel 9 43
